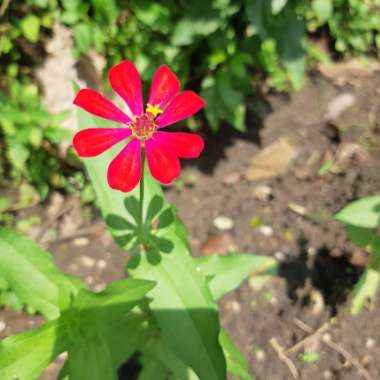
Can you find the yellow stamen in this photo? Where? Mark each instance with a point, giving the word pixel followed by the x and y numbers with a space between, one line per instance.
pixel 154 110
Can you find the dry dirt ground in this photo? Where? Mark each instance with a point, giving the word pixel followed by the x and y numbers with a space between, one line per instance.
pixel 273 191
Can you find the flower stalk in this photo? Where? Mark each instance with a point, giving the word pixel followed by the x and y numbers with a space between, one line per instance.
pixel 141 227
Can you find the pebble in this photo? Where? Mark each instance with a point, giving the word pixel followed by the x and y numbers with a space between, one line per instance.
pixel 280 256
pixel 81 242
pixel 235 306
pixel 99 287
pixel 327 375
pixel 231 179
pixel 101 264
pixel 3 325
pixel 87 261
pixel 370 343
pixel 260 355
pixel 262 193
pixel 339 104
pixel 266 230
pixel 311 251
pixel 223 223
pixel 220 243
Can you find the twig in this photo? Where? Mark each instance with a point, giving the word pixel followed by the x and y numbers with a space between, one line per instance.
pixel 336 347
pixel 308 338
pixel 82 232
pixel 281 355
pixel 51 221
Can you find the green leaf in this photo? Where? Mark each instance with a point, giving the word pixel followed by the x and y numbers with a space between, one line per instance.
pixel 105 10
pixel 237 365
pixel 97 311
pixel 157 354
pixel 91 361
pixel 323 9
pixel 364 212
pixel 32 275
pixel 18 154
pixel 186 314
pixel 83 37
pixel 30 28
pixel 183 307
pixel 365 290
pixel 278 5
pixel 212 108
pixel 26 355
pixel 152 370
pixel 228 272
pixel 123 339
pixel 201 20
pixel 286 29
pixel 126 337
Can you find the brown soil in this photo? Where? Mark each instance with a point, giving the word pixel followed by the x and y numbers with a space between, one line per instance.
pixel 318 265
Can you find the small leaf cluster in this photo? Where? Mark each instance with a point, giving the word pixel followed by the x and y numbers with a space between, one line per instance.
pixel 354 25
pixel 362 218
pixel 29 137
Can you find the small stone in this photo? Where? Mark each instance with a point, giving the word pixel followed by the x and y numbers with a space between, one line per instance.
pixel 89 280
pixel 298 209
pixel 101 264
pixel 338 105
pixel 311 251
pixel 87 261
pixel 235 306
pixel 81 242
pixel 370 343
pixel 266 230
pixel 272 161
pixel 260 355
pixel 219 243
pixel 231 179
pixel 326 337
pixel 327 375
pixel 262 193
pixel 223 223
pixel 360 258
pixel 3 325
pixel 365 360
pixel 280 256
pixel 99 287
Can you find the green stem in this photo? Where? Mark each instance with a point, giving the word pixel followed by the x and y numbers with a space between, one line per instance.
pixel 141 215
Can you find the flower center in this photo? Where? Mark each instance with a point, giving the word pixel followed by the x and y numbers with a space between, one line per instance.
pixel 143 126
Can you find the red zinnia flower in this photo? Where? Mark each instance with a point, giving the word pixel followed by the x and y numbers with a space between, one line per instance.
pixel 162 149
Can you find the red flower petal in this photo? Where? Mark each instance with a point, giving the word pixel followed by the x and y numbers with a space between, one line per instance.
pixel 98 105
pixel 163 162
pixel 124 172
pixel 125 80
pixel 164 86
pixel 185 145
pixel 184 105
pixel 94 141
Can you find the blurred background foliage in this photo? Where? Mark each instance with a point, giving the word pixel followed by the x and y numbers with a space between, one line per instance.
pixel 225 49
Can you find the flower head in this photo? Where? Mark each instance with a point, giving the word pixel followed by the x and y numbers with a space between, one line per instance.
pixel 142 126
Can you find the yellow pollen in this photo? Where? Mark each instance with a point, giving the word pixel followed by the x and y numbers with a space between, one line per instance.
pixel 154 110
